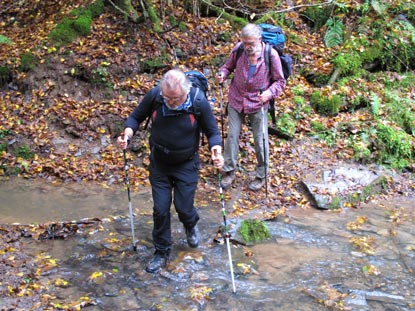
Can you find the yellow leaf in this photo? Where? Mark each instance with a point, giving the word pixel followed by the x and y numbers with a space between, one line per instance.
pixel 61 282
pixel 95 275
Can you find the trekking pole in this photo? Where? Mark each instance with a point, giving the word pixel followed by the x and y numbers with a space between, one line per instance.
pixel 225 229
pixel 127 182
pixel 264 115
pixel 221 108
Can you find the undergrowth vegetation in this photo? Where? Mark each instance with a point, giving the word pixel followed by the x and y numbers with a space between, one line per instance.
pixel 373 61
pixel 352 86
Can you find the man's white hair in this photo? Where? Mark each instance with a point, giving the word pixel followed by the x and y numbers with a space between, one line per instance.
pixel 251 30
pixel 175 77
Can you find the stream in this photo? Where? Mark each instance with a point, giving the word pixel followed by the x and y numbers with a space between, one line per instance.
pixel 352 259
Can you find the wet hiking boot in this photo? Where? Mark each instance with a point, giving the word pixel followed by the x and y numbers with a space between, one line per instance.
pixel 256 184
pixel 159 261
pixel 227 179
pixel 192 236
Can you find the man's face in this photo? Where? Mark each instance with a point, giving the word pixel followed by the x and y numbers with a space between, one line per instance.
pixel 173 97
pixel 251 45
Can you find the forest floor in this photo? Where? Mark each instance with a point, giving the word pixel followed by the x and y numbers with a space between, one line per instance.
pixel 71 125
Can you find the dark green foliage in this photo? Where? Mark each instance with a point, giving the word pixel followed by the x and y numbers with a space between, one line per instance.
pixel 96 8
pixel 349 63
pixel 286 124
pixel 3 147
pixel 82 24
pixel 183 27
pixel 5 40
pixel 63 33
pixel 23 151
pixel 315 78
pixel 100 76
pixel 393 147
pixel 4 133
pixel 254 230
pixel 324 105
pixel 378 186
pixel 173 20
pixel 28 61
pixel 5 75
pixel 152 65
pixel 224 36
pixel 399 113
pixel 335 203
pixel 385 39
pixel 399 47
pixel 318 127
pixel 361 152
pixel 317 16
pixel 218 60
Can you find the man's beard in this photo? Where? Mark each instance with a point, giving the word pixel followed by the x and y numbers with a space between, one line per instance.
pixel 253 50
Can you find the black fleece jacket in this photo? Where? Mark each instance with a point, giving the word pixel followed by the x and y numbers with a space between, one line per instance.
pixel 176 130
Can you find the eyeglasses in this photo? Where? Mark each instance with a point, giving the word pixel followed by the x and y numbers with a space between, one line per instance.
pixel 172 99
pixel 250 43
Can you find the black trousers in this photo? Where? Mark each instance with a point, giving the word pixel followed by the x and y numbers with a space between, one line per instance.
pixel 175 184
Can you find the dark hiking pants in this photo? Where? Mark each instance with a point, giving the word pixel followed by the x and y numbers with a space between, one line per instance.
pixel 177 183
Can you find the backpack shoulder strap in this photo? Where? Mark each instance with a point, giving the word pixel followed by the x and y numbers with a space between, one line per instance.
pixel 268 57
pixel 239 51
pixel 195 101
pixel 156 103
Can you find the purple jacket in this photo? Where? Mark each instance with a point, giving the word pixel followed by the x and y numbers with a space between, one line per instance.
pixel 243 93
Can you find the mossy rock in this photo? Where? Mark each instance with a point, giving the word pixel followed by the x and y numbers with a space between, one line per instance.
pixel 254 230
pixel 79 24
pixel 327 105
pixel 284 127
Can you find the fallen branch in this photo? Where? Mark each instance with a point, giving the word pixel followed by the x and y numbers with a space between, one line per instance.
pixel 217 8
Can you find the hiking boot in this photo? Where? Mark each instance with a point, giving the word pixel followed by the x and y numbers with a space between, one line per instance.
pixel 192 236
pixel 256 184
pixel 227 179
pixel 159 261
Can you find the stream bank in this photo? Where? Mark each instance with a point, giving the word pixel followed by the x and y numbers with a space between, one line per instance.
pixel 351 259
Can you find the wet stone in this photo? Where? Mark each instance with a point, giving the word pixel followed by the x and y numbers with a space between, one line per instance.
pixel 327 189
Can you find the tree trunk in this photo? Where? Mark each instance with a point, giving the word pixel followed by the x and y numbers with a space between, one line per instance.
pixel 125 7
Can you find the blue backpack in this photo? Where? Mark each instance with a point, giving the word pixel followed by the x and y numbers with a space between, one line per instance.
pixel 274 37
pixel 198 80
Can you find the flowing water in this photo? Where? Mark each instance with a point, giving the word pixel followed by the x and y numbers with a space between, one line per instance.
pixel 310 263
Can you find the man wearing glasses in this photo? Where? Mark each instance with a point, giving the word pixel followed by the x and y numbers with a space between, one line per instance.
pixel 174 159
pixel 252 86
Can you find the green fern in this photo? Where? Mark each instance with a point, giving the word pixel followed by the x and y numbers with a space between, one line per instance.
pixel 334 33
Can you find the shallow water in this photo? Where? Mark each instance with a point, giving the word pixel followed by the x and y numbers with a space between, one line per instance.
pixel 309 257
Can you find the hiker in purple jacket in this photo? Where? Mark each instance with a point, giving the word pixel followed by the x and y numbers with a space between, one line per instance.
pixel 174 158
pixel 252 86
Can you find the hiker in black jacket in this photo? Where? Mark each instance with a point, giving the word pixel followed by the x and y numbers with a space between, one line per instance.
pixel 179 112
